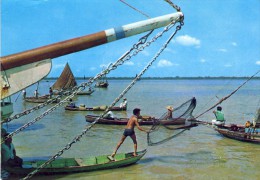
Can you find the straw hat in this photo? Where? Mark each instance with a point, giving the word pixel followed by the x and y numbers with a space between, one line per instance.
pixel 169 108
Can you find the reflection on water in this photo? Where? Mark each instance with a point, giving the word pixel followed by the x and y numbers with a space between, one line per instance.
pixel 199 153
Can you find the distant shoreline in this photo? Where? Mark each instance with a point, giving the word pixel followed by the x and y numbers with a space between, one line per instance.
pixel 160 78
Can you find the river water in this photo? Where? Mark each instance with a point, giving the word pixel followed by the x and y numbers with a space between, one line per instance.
pixel 200 153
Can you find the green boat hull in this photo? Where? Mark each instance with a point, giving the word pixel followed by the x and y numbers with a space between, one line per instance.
pixel 75 165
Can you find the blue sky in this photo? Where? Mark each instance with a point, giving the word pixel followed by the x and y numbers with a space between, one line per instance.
pixel 219 38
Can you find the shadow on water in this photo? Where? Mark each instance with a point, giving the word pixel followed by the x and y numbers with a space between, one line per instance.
pixel 13 127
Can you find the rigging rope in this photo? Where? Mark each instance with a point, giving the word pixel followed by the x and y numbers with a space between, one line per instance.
pixel 225 98
pixel 135 9
pixel 77 138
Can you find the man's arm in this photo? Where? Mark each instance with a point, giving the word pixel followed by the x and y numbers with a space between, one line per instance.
pixel 138 126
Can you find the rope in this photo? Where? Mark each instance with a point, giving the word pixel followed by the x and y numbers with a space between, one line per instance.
pixel 228 96
pixel 135 9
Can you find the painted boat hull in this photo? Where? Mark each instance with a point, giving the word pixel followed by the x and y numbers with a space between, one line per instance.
pixel 123 121
pixel 239 134
pixel 92 109
pixel 41 99
pixel 76 165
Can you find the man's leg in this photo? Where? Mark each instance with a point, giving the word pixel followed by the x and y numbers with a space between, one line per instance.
pixel 118 145
pixel 135 144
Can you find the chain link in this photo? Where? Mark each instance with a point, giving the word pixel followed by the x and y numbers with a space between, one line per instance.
pixel 77 138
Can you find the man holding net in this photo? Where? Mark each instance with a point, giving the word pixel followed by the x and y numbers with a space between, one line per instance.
pixel 129 131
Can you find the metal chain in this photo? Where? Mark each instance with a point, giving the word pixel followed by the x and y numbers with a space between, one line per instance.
pixel 77 138
pixel 82 86
pixel 137 47
pixel 177 8
pixel 28 111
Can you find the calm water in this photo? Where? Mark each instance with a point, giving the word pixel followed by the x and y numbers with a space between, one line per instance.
pixel 200 153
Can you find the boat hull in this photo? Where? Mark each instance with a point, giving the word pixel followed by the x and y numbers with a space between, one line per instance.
pixel 41 99
pixel 76 165
pixel 123 121
pixel 93 109
pixel 239 134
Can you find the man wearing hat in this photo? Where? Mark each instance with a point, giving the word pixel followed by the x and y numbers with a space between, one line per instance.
pixel 169 113
pixel 123 104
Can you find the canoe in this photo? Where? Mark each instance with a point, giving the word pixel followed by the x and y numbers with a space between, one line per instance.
pixel 101 84
pixel 123 121
pixel 75 165
pixel 85 92
pixel 240 133
pixel 40 99
pixel 98 108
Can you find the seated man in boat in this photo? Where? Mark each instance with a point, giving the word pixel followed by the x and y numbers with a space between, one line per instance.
pixel 8 154
pixel 169 112
pixel 109 115
pixel 129 131
pixel 71 104
pixel 220 120
pixel 123 104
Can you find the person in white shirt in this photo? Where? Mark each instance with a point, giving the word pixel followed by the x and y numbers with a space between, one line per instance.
pixel 124 103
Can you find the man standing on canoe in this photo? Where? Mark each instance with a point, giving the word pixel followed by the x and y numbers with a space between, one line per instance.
pixel 129 131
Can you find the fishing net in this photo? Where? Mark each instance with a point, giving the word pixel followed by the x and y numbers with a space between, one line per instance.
pixel 165 129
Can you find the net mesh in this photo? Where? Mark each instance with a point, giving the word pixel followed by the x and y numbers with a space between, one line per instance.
pixel 164 130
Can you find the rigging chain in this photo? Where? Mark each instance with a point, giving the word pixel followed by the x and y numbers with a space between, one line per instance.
pixel 77 138
pixel 136 49
pixel 177 8
pixel 141 41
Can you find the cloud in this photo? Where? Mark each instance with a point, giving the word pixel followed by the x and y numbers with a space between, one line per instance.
pixel 234 44
pixel 129 63
pixel 58 66
pixel 187 40
pixel 202 60
pixel 222 50
pixel 228 65
pixel 145 53
pixel 257 63
pixel 165 63
pixel 92 68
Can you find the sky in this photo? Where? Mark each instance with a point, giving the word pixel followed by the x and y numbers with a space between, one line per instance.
pixel 219 38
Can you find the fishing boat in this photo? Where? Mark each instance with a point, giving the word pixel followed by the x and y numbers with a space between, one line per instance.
pixel 88 92
pixel 102 83
pixel 75 165
pixel 40 99
pixel 240 133
pixel 65 82
pixel 250 132
pixel 123 121
pixel 96 108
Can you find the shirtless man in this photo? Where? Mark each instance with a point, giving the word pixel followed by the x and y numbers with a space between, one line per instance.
pixel 129 131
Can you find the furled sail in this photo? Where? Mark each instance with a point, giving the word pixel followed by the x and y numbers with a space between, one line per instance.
pixel 66 80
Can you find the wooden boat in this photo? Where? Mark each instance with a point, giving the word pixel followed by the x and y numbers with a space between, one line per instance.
pixel 241 135
pixel 239 132
pixel 66 81
pixel 123 121
pixel 40 99
pixel 89 92
pixel 75 165
pixel 102 84
pixel 97 108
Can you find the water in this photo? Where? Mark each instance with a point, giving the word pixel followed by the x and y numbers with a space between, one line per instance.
pixel 200 153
